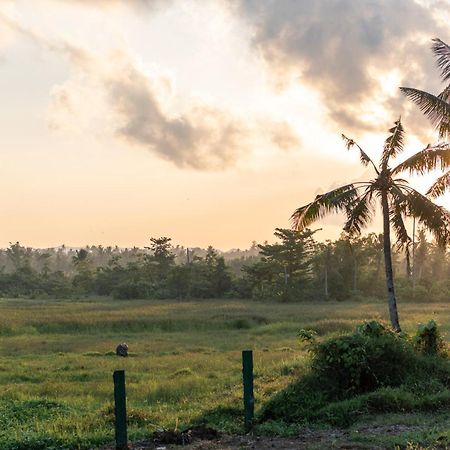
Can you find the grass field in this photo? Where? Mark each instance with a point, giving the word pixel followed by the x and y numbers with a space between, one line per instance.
pixel 57 360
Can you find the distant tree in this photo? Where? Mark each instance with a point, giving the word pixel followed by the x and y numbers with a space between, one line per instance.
pixel 263 279
pixel 373 260
pixel 161 257
pixel 83 278
pixel 326 258
pixel 222 281
pixel 19 256
pixel 343 279
pixel 81 257
pixel 421 255
pixel 285 267
pixel 44 263
pixel 217 273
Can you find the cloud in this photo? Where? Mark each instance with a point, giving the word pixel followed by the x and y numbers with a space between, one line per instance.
pixel 139 4
pixel 141 109
pixel 7 32
pixel 112 93
pixel 283 136
pixel 75 54
pixel 344 49
pixel 204 137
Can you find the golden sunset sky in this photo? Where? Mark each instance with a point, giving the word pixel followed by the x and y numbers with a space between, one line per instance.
pixel 208 121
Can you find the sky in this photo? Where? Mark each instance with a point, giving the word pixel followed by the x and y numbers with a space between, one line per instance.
pixel 208 121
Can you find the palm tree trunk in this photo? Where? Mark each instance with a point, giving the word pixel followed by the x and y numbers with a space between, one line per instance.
pixel 393 314
pixel 413 274
pixel 327 260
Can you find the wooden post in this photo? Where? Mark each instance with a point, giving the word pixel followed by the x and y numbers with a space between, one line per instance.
pixel 120 410
pixel 249 400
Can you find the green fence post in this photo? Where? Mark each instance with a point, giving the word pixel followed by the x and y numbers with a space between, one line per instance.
pixel 120 409
pixel 249 400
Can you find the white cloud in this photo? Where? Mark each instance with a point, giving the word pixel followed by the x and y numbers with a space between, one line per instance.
pixel 114 93
pixel 344 48
pixel 117 96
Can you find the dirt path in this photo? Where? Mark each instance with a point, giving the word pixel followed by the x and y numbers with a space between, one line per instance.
pixel 249 443
pixel 313 440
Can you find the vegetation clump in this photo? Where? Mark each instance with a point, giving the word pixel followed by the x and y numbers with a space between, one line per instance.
pixel 428 340
pixel 371 370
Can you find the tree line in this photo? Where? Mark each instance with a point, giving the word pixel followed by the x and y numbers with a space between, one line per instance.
pixel 295 268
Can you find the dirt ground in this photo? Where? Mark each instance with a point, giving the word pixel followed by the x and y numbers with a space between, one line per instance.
pixel 329 439
pixel 247 443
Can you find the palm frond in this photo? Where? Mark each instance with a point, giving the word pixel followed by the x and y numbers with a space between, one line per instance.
pixel 393 144
pixel 436 109
pixel 400 181
pixel 440 186
pixel 363 156
pixel 442 51
pixel 359 214
pixel 349 143
pixel 430 158
pixel 434 218
pixel 445 94
pixel 396 219
pixel 337 200
pixel 398 197
pixel 445 124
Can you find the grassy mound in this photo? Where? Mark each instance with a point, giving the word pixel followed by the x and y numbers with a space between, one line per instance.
pixel 370 371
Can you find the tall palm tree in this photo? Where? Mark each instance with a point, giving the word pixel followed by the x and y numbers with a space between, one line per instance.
pixel 437 109
pixel 398 200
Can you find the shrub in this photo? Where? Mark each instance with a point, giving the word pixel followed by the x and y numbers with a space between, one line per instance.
pixel 372 328
pixel 308 338
pixel 359 363
pixel 428 340
pixel 371 370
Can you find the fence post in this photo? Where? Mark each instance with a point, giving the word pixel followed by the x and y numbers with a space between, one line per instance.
pixel 120 410
pixel 249 400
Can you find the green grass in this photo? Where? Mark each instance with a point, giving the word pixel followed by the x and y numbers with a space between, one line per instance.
pixel 57 362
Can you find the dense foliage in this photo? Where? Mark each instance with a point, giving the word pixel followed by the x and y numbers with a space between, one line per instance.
pixel 370 370
pixel 295 268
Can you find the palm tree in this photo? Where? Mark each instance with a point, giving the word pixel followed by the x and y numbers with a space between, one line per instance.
pixel 398 200
pixel 437 109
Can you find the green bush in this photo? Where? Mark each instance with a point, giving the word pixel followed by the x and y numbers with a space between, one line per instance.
pixel 372 328
pixel 371 370
pixel 428 340
pixel 359 363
